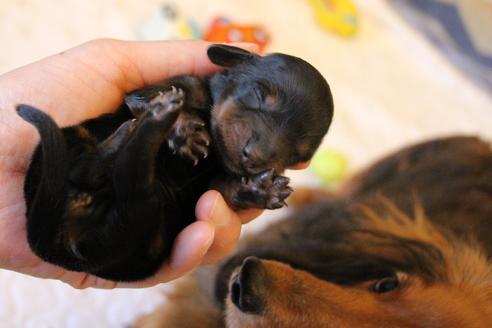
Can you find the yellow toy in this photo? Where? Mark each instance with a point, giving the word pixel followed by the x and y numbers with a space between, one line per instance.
pixel 329 165
pixel 339 16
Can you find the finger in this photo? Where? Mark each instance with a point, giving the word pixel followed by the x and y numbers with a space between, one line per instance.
pixel 82 280
pixel 190 247
pixel 117 67
pixel 157 60
pixel 212 208
pixel 213 198
pixel 252 47
pixel 248 215
pixel 188 252
pixel 300 166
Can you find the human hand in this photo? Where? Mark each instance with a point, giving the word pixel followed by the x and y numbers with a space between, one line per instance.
pixel 82 83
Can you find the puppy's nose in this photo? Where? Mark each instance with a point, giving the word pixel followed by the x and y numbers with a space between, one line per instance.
pixel 247 287
pixel 253 156
pixel 247 152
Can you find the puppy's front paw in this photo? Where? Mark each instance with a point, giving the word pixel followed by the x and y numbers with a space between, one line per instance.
pixel 264 190
pixel 190 138
pixel 166 103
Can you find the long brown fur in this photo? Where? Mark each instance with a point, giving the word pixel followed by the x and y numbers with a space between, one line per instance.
pixel 421 216
pixel 186 306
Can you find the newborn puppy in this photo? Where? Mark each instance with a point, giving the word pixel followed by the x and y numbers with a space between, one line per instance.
pixel 110 195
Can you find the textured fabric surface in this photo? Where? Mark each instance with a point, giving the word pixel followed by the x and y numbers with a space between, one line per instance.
pixel 390 85
pixel 461 28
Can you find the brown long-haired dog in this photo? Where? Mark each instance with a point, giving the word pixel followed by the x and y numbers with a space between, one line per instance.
pixel 407 243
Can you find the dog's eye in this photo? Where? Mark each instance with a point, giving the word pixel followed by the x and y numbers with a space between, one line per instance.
pixel 386 285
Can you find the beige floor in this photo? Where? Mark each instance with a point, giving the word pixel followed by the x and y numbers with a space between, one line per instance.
pixel 390 86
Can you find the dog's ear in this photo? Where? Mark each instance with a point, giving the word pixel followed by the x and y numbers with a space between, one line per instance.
pixel 228 56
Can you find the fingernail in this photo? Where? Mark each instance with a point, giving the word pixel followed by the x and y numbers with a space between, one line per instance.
pixel 220 214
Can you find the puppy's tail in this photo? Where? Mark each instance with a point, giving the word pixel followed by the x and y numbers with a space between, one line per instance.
pixel 50 195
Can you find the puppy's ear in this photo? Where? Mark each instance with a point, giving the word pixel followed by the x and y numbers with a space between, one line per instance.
pixel 228 56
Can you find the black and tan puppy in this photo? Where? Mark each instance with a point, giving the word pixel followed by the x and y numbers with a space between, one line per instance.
pixel 110 195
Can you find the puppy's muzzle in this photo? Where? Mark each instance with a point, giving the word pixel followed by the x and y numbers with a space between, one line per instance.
pixel 253 160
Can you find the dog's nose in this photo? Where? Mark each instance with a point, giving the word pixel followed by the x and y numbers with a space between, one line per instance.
pixel 247 286
pixel 248 156
pixel 253 155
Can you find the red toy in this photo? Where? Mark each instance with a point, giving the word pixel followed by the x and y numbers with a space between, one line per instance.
pixel 223 30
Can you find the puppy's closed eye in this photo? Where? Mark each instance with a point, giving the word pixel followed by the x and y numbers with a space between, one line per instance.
pixel 253 99
pixel 258 98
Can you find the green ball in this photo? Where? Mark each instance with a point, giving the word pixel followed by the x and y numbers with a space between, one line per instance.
pixel 329 165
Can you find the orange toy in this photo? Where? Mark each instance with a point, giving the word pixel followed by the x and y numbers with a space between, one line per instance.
pixel 223 30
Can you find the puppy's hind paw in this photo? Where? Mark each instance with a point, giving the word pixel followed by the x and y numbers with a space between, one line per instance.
pixel 190 138
pixel 279 191
pixel 167 102
pixel 264 190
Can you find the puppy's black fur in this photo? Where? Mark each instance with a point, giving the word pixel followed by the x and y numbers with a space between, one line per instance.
pixel 110 195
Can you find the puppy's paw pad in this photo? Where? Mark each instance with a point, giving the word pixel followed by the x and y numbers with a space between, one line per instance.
pixel 190 138
pixel 259 182
pixel 264 190
pixel 170 101
pixel 278 191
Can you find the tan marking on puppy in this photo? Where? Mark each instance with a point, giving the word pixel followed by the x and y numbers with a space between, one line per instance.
pixel 83 133
pixel 81 200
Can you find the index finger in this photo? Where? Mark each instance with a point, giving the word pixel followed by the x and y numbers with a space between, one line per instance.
pixel 157 60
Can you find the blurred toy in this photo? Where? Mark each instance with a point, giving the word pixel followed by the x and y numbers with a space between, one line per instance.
pixel 329 165
pixel 168 24
pixel 223 30
pixel 339 16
